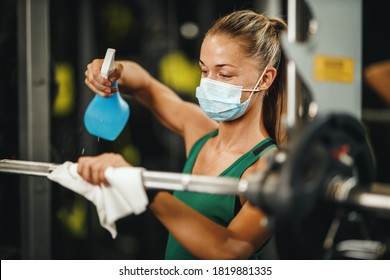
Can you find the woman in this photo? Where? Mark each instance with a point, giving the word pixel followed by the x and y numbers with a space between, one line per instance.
pixel 377 77
pixel 242 98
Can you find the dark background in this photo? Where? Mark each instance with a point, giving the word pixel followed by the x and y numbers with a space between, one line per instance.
pixel 147 31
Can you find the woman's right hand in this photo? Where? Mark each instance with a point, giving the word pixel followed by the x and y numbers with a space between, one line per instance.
pixel 128 74
pixel 92 168
pixel 96 82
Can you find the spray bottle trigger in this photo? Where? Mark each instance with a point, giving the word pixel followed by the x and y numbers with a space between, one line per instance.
pixel 108 66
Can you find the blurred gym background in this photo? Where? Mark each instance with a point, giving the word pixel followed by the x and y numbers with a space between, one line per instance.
pixel 164 36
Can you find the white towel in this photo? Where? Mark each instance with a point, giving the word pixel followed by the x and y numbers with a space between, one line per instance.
pixel 125 195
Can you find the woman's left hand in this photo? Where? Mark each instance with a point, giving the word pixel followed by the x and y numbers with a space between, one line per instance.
pixel 92 168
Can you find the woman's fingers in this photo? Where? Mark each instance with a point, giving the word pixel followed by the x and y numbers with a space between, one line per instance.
pixel 98 88
pixel 95 81
pixel 92 169
pixel 84 169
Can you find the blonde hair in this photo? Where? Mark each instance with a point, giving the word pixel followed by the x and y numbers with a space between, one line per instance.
pixel 260 40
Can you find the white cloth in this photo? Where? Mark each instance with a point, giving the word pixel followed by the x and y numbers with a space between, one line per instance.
pixel 125 195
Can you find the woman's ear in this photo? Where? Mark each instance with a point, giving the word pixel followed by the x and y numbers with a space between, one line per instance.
pixel 268 78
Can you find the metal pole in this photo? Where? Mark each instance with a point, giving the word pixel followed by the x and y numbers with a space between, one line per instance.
pixel 374 198
pixel 269 7
pixel 33 71
pixel 294 85
pixel 87 52
pixel 343 191
pixel 152 179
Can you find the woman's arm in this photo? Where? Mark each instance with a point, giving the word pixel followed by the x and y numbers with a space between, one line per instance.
pixel 199 235
pixel 184 118
pixel 377 77
pixel 204 238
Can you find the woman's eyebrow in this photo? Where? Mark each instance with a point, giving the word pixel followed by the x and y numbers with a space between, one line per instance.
pixel 220 65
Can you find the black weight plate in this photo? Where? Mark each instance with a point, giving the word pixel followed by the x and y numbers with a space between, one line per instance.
pixel 329 146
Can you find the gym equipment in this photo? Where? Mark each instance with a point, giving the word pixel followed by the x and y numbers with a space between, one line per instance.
pixel 328 68
pixel 152 179
pixel 314 190
pixel 313 187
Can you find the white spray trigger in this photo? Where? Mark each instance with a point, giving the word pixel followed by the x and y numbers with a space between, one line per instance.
pixel 108 64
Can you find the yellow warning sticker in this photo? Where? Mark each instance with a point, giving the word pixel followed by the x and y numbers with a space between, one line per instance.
pixel 333 69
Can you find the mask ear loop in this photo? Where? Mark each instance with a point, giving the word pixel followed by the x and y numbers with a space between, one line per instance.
pixel 256 88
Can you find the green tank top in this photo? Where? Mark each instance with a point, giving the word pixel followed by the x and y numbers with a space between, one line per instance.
pixel 219 208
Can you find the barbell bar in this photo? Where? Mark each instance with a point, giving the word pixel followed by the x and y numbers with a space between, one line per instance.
pixel 152 179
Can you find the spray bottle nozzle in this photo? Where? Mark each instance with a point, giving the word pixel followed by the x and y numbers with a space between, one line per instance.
pixel 108 66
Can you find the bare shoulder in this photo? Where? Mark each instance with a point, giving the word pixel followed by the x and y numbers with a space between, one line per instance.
pixel 377 71
pixel 196 124
pixel 262 163
pixel 379 66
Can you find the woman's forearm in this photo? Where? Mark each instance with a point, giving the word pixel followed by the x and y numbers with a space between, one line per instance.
pixel 172 111
pixel 163 102
pixel 199 235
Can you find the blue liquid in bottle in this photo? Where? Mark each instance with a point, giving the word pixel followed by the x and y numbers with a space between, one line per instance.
pixel 106 117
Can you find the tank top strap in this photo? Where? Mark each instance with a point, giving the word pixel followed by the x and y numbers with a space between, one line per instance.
pixel 241 164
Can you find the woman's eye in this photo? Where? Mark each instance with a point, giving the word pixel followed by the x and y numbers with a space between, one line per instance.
pixel 225 76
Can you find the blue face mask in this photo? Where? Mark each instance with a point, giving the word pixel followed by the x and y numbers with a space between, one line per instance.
pixel 222 101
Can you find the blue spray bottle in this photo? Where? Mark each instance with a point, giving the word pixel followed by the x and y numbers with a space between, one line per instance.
pixel 106 117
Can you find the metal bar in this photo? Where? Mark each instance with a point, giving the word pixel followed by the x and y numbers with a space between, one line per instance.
pixel 26 167
pixel 376 116
pixel 341 190
pixel 374 201
pixel 269 7
pixel 292 111
pixel 294 84
pixel 86 46
pixel 373 198
pixel 291 68
pixel 34 124
pixel 152 179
